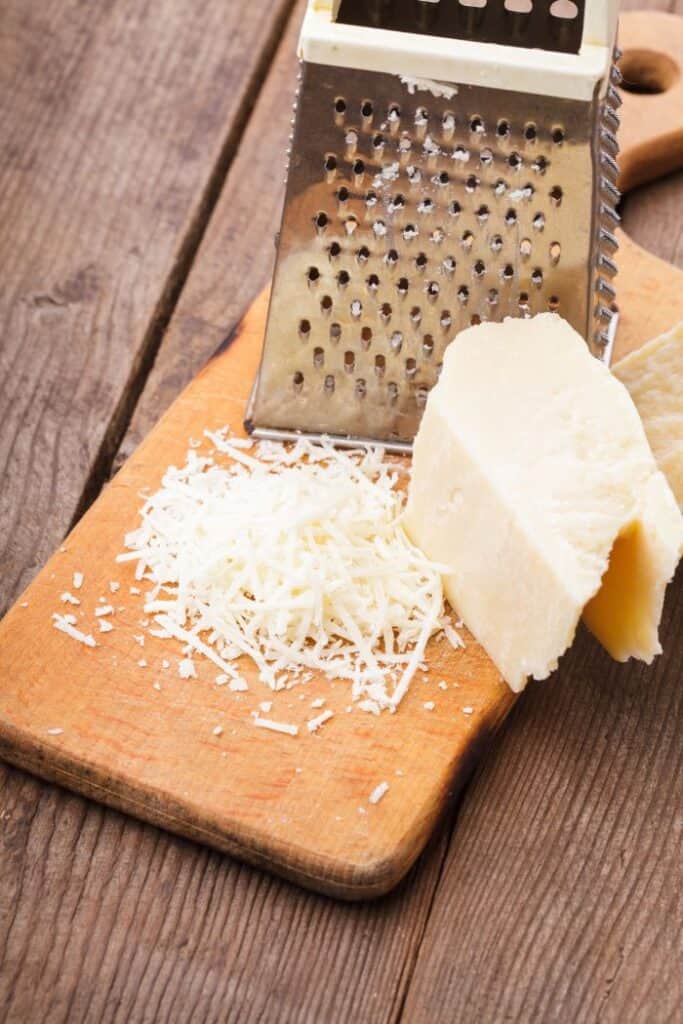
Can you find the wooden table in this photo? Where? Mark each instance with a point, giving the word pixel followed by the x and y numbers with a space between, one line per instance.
pixel 140 185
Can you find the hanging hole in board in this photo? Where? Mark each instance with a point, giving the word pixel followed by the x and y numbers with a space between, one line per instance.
pixel 647 72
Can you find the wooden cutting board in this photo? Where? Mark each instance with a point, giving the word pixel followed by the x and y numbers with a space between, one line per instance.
pixel 94 720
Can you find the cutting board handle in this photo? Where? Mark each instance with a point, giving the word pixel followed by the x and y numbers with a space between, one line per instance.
pixel 651 131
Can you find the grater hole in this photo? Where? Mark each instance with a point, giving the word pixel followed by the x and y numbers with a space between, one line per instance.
pixel 351 139
pixel 428 344
pixel 555 252
pixel 482 213
pixel 437 236
pixel 391 257
pixel 343 278
pixel 503 129
pixel 475 320
pixel 335 333
pixel 442 179
pixel 492 297
pixel 463 294
pixel 479 269
pixel 449 264
pixel 421 261
pixel 356 309
pixel 363 254
pixel 378 142
pixel 448 124
pixel 393 113
pixel 298 382
pixel 326 304
pixel 334 250
pixel 537 277
pixel 402 286
pixel 414 174
pixel 340 105
pixel 467 240
pixel 564 9
pixel 411 367
pixel 304 329
pixel 371 198
pixel 392 391
pixel 321 221
pixel 385 312
pixel 523 302
pixel 557 135
pixel 553 303
pixel 508 272
pixel 528 191
pixel 486 157
pixel 329 384
pixel 496 243
pixel 396 341
pixel 500 188
pixel 556 195
pixel 360 388
pixel 416 315
pixel 510 218
pixel 318 357
pixel 405 143
pixel 454 208
pixel 538 223
pixel 432 290
pixel 409 232
pixel 330 163
pixel 398 202
pixel 380 366
pixel 425 206
pixel 379 229
pixel 350 223
pixel 342 194
pixel 540 165
pixel 358 170
pixel 349 361
pixel 471 183
pixel 461 154
pixel 313 275
pixel 421 117
pixel 446 319
pixel 421 396
pixel 372 281
pixel 366 109
pixel 530 132
pixel 365 338
pixel 525 248
pixel 514 161
pixel 477 125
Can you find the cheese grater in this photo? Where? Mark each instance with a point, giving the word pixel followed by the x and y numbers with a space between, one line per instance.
pixel 452 161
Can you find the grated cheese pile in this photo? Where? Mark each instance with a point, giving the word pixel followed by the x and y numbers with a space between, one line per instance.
pixel 296 559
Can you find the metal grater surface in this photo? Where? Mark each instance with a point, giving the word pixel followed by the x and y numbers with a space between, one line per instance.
pixel 409 216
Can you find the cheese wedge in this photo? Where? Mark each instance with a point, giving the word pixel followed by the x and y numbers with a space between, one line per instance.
pixel 654 377
pixel 533 479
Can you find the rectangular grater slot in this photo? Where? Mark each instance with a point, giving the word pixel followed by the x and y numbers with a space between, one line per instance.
pixel 409 216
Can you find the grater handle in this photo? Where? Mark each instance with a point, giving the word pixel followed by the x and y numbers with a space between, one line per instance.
pixel 599 22
pixel 651 130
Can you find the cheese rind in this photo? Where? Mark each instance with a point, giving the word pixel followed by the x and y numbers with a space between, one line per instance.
pixel 653 375
pixel 529 464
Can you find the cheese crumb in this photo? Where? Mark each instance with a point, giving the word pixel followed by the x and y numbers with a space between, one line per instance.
pixel 114 586
pixel 314 724
pixel 104 609
pixel 218 730
pixel 378 792
pixel 64 623
pixel 268 723
pixel 55 732
pixel 319 702
pixel 467 711
pixel 77 580
pixel 266 705
pixel 105 626
pixel 186 669
pixel 142 663
pixel 237 685
pixel 429 705
pixel 68 598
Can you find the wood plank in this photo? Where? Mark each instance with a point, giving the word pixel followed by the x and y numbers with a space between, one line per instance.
pixel 119 121
pixel 128 923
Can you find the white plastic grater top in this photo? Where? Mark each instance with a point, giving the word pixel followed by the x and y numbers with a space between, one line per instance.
pixel 452 161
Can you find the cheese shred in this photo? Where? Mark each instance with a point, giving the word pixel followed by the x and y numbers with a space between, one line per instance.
pixel 294 557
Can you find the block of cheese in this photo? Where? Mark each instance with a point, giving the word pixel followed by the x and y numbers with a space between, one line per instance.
pixel 653 375
pixel 533 481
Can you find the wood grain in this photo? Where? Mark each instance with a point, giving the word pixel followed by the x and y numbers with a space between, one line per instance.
pixel 112 920
pixel 120 119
